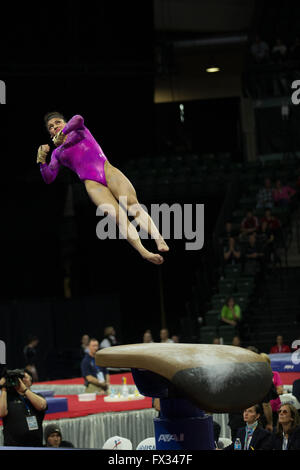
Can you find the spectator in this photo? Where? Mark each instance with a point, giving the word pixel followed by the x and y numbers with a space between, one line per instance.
pixel 231 312
pixel 175 339
pixel 273 223
pixel 147 337
pixel 266 240
pixel 282 194
pixel 253 349
pixel 236 341
pixel 109 338
pixel 22 412
pixel 164 336
pixel 228 233
pixel 260 50
pixel 53 437
pixel 279 51
pixel 287 435
pixel 96 378
pixel 216 340
pixel 252 436
pixel 249 224
pixel 84 349
pixel 253 254
pixel 279 346
pixel 232 252
pixel 30 355
pixel 264 196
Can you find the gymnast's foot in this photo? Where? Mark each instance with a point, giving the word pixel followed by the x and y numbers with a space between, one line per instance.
pixel 161 245
pixel 154 258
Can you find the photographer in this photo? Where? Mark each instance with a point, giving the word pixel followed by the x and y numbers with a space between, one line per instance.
pixel 22 410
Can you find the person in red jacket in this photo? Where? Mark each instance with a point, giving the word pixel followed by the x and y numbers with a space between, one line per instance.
pixel 280 347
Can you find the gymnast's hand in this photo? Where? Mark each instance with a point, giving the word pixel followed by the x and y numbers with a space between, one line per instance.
pixel 42 153
pixel 58 139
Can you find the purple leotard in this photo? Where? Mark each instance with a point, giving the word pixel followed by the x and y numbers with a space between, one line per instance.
pixel 80 152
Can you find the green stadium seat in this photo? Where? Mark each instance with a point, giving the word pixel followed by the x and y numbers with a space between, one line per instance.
pixel 226 286
pixel 218 300
pixel 207 334
pixel 232 271
pixel 227 332
pixel 212 318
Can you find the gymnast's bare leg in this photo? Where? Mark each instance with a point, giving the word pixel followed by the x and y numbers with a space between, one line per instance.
pixel 102 195
pixel 120 185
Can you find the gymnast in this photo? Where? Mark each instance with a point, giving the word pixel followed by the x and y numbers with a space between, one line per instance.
pixel 78 150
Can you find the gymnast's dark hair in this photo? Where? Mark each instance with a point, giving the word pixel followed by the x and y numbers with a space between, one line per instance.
pixel 52 115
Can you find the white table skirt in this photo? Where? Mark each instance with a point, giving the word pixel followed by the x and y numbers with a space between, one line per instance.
pixel 90 432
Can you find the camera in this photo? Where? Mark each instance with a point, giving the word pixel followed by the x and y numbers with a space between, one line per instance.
pixel 12 377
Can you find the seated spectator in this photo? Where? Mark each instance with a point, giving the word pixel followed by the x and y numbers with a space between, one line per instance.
pixel 253 250
pixel 228 233
pixel 252 436
pixel 253 256
pixel 164 336
pixel 96 378
pixel 266 239
pixel 232 252
pixel 147 338
pixel 253 349
pixel 273 223
pixel 282 194
pixel 287 435
pixel 231 312
pixel 109 338
pixel 260 50
pixel 279 347
pixel 236 341
pixel 53 437
pixel 249 224
pixel 216 341
pixel 279 51
pixel 264 196
pixel 175 339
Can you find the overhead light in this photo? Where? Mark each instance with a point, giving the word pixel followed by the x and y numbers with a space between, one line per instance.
pixel 212 69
